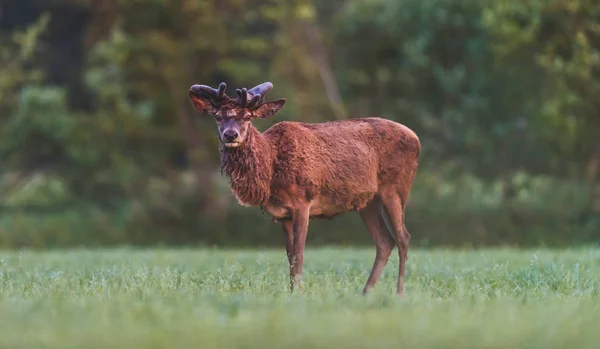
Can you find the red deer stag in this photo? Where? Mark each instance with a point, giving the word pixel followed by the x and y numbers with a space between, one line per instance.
pixel 295 171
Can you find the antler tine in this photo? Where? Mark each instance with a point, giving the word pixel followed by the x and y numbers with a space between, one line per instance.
pixel 242 100
pixel 254 101
pixel 244 96
pixel 221 91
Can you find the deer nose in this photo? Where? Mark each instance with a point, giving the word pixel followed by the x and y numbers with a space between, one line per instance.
pixel 230 135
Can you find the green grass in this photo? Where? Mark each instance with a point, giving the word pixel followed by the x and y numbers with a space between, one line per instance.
pixel 125 298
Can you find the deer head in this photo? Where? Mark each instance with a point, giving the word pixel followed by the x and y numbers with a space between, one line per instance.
pixel 233 116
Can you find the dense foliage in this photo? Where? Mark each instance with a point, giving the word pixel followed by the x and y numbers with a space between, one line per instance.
pixel 99 144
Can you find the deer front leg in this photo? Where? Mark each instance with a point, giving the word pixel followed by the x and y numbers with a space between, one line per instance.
pixel 300 229
pixel 288 231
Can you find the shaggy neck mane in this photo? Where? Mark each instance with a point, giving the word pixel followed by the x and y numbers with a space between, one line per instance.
pixel 249 168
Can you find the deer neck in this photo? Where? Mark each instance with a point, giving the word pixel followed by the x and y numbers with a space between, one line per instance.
pixel 249 168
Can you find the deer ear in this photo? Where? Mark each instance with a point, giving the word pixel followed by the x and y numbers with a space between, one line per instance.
pixel 269 109
pixel 203 105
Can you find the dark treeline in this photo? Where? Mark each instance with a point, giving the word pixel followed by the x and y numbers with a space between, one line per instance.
pixel 99 144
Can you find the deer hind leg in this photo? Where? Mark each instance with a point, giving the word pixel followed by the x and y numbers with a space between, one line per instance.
pixel 384 244
pixel 394 208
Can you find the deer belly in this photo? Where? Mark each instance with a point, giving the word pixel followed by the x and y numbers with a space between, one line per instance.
pixel 324 208
pixel 277 212
pixel 331 206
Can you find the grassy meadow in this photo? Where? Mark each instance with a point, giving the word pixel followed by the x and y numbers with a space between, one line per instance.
pixel 204 298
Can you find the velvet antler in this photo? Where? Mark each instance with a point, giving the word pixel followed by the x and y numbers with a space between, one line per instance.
pixel 216 96
pixel 254 97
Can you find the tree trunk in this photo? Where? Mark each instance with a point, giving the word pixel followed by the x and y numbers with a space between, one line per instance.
pixel 103 15
pixel 327 78
pixel 594 178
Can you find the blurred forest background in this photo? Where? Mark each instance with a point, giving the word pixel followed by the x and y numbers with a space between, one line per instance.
pixel 99 144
